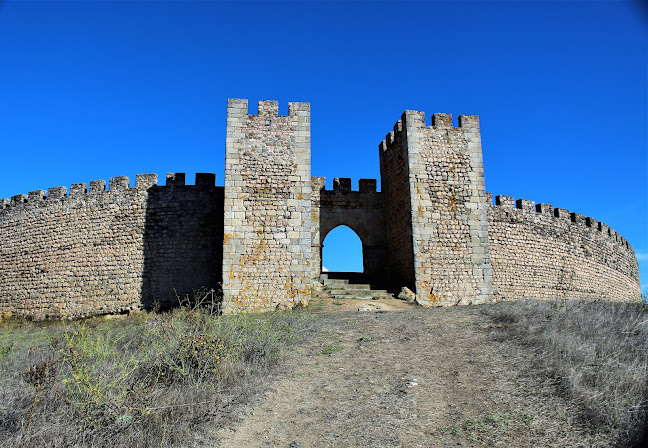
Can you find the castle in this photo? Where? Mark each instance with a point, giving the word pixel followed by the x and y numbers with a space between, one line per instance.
pixel 432 228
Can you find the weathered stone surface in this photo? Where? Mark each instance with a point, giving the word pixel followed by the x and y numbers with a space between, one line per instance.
pixel 267 245
pixel 437 229
pixel 109 251
pixel 406 294
pixel 537 254
pixel 362 211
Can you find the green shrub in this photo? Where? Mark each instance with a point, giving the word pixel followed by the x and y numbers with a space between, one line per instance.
pixel 124 381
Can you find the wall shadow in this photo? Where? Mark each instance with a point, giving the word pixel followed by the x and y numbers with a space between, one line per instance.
pixel 183 242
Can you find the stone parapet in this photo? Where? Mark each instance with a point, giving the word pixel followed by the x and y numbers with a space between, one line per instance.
pixel 544 252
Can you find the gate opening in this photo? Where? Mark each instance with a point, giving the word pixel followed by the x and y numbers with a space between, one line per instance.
pixel 342 251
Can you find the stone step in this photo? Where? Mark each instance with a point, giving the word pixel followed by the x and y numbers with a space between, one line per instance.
pixel 335 282
pixel 368 294
pixel 351 287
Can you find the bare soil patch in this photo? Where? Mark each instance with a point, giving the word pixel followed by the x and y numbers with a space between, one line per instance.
pixel 403 376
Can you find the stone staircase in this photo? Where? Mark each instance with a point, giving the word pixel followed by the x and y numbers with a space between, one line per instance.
pixel 350 288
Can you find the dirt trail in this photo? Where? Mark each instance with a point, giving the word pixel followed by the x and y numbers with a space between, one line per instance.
pixel 401 376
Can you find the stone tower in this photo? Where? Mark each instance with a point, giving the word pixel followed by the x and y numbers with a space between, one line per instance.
pixel 436 209
pixel 267 240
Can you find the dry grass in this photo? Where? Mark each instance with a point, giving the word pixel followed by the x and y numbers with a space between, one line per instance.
pixel 595 352
pixel 147 380
pixel 161 379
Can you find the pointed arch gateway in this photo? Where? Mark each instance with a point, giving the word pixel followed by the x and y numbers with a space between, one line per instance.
pixel 362 212
pixel 342 250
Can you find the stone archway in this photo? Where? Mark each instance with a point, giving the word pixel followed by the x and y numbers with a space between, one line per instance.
pixel 342 250
pixel 368 225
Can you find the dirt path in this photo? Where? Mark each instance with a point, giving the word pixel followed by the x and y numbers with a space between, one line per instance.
pixel 401 376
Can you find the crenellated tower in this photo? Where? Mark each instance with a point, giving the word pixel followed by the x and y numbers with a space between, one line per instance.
pixel 436 209
pixel 267 239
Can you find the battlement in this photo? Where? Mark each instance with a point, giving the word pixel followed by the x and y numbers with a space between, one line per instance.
pixel 238 108
pixel 441 121
pixel 392 137
pixel 117 245
pixel 530 208
pixel 416 119
pixel 343 185
pixel 116 185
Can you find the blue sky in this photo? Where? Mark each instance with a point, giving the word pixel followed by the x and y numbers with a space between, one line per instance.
pixel 91 90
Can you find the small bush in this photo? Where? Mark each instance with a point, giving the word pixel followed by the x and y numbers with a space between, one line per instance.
pixel 126 382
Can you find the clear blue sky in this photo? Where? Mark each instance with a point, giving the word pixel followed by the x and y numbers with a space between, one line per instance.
pixel 91 90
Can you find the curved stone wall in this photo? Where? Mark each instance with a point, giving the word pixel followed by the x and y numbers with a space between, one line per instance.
pixel 108 251
pixel 542 252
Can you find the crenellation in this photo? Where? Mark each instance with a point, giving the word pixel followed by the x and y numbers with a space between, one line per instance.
pixel 175 179
pixel 18 199
pixel 367 185
pixel 525 205
pixel 545 209
pixel 342 184
pixel 268 108
pixel 145 181
pixel 119 183
pixel 78 191
pixel 56 193
pixel 302 110
pixel 205 179
pixel 505 201
pixel 469 122
pixel 562 213
pixel 37 196
pixel 577 218
pixel 604 228
pixel 591 222
pixel 97 186
pixel 442 121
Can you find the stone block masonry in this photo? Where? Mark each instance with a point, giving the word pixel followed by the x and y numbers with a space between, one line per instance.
pixel 258 239
pixel 109 251
pixel 267 239
pixel 433 177
pixel 542 252
pixel 361 210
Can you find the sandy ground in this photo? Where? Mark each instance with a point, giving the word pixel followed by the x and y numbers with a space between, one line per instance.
pixel 403 376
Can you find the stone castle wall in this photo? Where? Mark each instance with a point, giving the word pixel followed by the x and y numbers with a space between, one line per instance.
pixel 432 228
pixel 267 229
pixel 108 251
pixel 542 252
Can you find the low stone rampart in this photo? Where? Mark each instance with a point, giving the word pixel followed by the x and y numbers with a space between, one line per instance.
pixel 542 252
pixel 101 251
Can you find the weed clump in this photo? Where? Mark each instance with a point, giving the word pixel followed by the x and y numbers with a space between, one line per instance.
pixel 146 380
